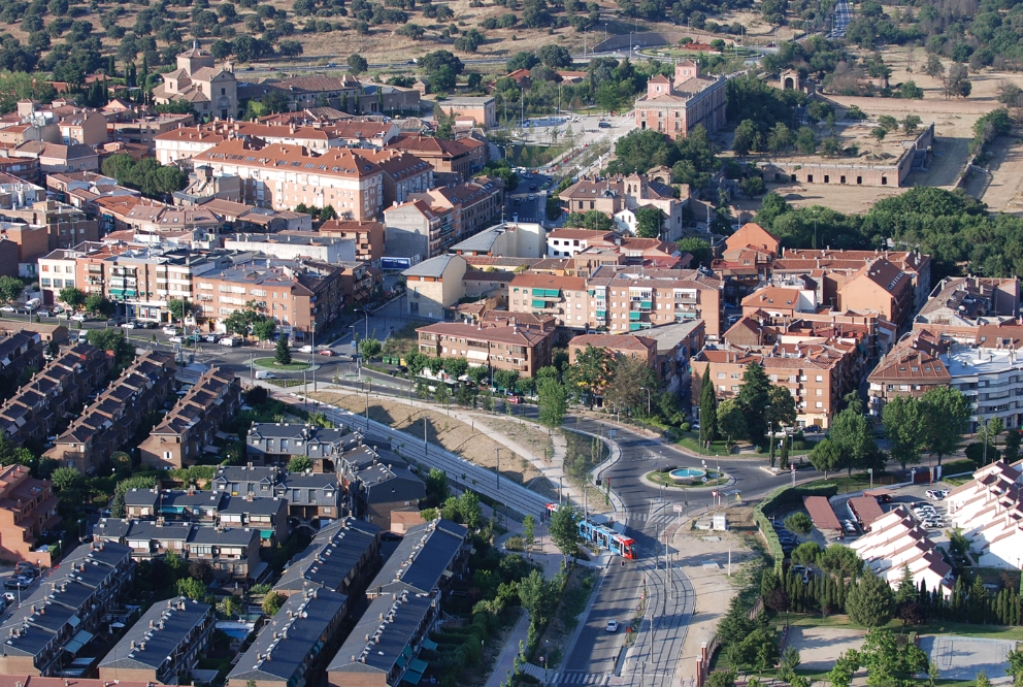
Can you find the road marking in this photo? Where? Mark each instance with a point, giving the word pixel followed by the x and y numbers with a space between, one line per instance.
pixel 579 678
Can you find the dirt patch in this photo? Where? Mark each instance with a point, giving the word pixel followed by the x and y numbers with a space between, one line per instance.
pixel 471 443
pixel 539 441
pixel 820 647
pixel 1001 187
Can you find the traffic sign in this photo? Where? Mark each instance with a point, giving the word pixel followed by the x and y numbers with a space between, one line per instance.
pixel 678 508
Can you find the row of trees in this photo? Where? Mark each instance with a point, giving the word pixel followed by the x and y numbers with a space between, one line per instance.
pixel 757 408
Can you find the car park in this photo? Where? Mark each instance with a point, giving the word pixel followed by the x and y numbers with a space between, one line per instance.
pixel 612 626
pixel 850 527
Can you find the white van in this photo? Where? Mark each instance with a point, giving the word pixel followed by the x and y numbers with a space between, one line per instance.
pixel 231 341
pixel 80 335
pixel 265 374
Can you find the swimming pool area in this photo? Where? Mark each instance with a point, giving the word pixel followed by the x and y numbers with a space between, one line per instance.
pixel 234 630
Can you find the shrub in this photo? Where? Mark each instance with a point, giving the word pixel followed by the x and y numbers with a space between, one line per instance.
pixel 686 427
pixel 799 523
pixel 515 543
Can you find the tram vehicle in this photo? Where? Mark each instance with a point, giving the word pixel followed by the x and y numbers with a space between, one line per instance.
pixel 603 536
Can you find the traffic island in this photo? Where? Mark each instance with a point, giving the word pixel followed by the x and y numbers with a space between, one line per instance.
pixel 686 478
pixel 271 364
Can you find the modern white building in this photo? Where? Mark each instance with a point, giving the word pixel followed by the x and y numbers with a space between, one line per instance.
pixel 987 510
pixel 896 541
pixel 312 245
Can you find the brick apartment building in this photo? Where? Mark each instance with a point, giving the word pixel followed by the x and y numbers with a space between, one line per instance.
pixel 481 110
pixel 368 237
pixel 512 348
pixel 463 157
pixel 958 306
pixel 284 177
pixel 108 424
pixel 188 430
pixel 342 557
pixel 28 509
pixel 59 389
pixel 630 299
pixel 299 295
pixel 564 298
pixel 404 174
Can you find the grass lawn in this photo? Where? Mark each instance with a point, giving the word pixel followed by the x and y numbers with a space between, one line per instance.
pixel 857 482
pixel 714 479
pixel 933 628
pixel 691 441
pixel 271 364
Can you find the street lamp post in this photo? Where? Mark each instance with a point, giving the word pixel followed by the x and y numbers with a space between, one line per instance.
pixel 498 452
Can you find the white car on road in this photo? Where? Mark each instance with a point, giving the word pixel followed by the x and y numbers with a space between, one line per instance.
pixel 612 626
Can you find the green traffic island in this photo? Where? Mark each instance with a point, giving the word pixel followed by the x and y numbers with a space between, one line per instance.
pixel 272 364
pixel 687 478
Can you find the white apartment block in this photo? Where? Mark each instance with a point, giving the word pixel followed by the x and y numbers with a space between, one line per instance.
pixel 991 379
pixel 896 541
pixel 988 511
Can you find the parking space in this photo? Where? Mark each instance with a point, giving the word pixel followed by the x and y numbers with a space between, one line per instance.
pixel 927 509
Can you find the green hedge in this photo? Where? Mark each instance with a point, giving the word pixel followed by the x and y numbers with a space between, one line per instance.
pixel 785 496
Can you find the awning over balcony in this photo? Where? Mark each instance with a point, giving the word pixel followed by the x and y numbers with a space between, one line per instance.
pixel 476 355
pixel 78 641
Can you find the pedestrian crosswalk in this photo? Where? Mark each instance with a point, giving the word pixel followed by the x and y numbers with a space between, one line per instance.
pixel 661 519
pixel 571 677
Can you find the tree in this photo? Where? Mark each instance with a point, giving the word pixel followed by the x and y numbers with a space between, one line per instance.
pixel 370 348
pixel 66 479
pixel 564 530
pixel 826 456
pixel 731 421
pixel 632 384
pixel 179 308
pixel 538 597
pixel 300 464
pixel 807 552
pixel 747 137
pixel 708 409
pixel 888 123
pixel 753 398
pixel 437 489
pixel 934 68
pixel 97 304
pixel 10 289
pixel 649 222
pixel 852 434
pixel 553 403
pixel 554 56
pixel 799 523
pixel 467 505
pixel 272 603
pixel 911 123
pixel 432 62
pixel 528 531
pixel 590 374
pixel 956 82
pixel 698 248
pixel 879 132
pixel 780 139
pixel 840 560
pixel 72 297
pixel 870 601
pixel 904 427
pixel 192 588
pixel 806 141
pixel 264 329
pixel 946 413
pixel 282 354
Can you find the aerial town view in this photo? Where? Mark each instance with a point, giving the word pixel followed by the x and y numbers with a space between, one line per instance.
pixel 620 343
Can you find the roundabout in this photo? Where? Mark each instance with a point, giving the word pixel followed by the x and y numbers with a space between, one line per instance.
pixel 271 364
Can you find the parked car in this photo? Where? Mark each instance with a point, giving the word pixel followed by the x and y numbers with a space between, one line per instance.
pixel 306 349
pixel 171 331
pixel 212 338
pixel 604 125
pixel 515 400
pixel 850 527
pixel 937 494
pixel 18 583
pixel 128 325
pixel 78 317
pixel 9 598
pixel 176 340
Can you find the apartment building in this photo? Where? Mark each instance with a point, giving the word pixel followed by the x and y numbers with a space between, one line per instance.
pixel 676 106
pixel 269 443
pixel 59 618
pixel 284 177
pixel 368 237
pixel 418 229
pixel 30 242
pixel 164 644
pixel 310 495
pixel 959 305
pixel 404 174
pixel 988 371
pixel 359 281
pixel 434 285
pixel 424 561
pixel 295 245
pixel 28 510
pixel 501 347
pixel 54 393
pixel 508 240
pixel 83 126
pixel 564 298
pixel 463 157
pixel 618 345
pixel 232 552
pixel 379 483
pixel 987 511
pixel 300 295
pixel 212 509
pixel 475 204
pixel 294 646
pixel 480 110
pixel 399 626
pixel 818 364
pixel 185 143
pixel 341 558
pixel 631 299
pixel 107 424
pixel 187 431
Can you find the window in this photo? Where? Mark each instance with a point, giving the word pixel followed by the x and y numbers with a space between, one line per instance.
pixel 820 404
pixel 820 378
